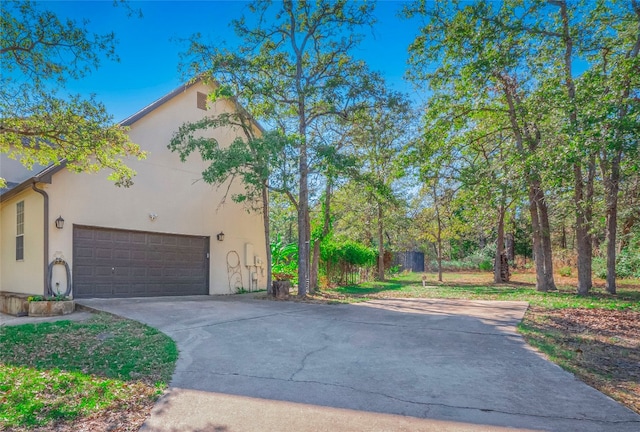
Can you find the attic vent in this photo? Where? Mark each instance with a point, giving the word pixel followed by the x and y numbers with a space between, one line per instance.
pixel 202 101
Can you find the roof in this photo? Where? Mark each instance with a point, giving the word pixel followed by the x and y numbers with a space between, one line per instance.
pixel 152 106
pixel 44 176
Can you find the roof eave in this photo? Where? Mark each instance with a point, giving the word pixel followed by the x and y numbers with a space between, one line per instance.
pixel 43 176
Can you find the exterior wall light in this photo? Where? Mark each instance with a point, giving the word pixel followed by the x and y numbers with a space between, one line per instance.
pixel 60 222
pixel 220 236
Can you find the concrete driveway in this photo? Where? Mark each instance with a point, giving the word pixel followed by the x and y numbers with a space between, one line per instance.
pixel 384 365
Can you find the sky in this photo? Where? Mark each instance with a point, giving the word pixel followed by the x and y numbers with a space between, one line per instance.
pixel 149 47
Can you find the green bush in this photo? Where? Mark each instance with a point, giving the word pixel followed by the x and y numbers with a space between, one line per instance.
pixel 627 265
pixel 348 252
pixel 485 265
pixel 565 271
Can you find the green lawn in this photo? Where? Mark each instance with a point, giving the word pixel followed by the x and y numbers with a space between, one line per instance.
pixel 61 372
pixel 479 286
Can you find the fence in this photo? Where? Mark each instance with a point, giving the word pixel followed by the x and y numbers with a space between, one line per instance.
pixel 409 260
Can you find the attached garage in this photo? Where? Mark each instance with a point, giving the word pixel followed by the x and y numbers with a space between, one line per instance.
pixel 120 263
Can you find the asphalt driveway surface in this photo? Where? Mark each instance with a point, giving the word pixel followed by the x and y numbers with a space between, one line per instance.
pixel 406 364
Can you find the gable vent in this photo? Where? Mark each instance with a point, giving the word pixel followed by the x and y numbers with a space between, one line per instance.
pixel 202 101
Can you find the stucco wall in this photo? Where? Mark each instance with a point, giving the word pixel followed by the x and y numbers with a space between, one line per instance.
pixel 25 276
pixel 166 187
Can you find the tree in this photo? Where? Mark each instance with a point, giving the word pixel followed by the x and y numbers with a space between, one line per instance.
pixel 250 158
pixel 476 61
pixel 292 68
pixel 38 123
pixel 616 78
pixel 379 133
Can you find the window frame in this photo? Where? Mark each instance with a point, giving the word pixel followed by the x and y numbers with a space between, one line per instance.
pixel 20 231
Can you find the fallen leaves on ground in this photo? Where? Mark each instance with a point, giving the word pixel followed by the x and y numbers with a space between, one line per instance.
pixel 601 346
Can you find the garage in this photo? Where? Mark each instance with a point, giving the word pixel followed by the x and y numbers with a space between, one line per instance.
pixel 121 263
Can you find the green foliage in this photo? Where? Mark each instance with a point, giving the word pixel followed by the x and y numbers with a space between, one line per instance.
pixel 627 265
pixel 348 252
pixel 57 297
pixel 293 69
pixel 394 270
pixel 249 157
pixel 40 124
pixel 284 260
pixel 565 271
pixel 485 265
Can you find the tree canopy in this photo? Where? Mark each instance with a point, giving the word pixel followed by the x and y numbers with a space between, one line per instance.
pixel 39 122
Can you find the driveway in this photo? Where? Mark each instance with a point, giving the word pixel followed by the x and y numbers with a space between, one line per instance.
pixel 407 364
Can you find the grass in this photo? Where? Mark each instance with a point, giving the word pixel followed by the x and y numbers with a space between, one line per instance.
pixel 479 286
pixel 596 337
pixel 57 373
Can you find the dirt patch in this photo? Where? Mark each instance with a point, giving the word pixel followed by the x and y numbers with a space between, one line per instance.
pixel 602 347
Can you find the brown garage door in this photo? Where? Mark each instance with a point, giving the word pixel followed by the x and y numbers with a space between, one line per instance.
pixel 118 263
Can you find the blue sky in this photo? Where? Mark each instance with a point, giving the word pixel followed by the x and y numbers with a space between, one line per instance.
pixel 149 47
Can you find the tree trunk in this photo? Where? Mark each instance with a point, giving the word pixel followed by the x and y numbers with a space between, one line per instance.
pixel 267 240
pixel 303 221
pixel 538 247
pixel 582 202
pixel 439 232
pixel 537 206
pixel 497 266
pixel 380 243
pixel 612 186
pixel 550 284
pixel 583 237
pixel 315 259
pixel 510 246
pixel 628 224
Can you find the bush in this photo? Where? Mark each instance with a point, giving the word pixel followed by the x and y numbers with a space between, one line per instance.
pixel 348 252
pixel 485 265
pixel 627 265
pixel 565 271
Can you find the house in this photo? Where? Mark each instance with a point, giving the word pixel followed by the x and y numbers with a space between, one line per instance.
pixel 168 234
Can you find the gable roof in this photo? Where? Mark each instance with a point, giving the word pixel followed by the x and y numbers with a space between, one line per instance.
pixel 153 105
pixel 45 175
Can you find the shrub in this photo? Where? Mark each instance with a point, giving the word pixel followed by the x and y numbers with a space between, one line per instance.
pixel 485 265
pixel 565 271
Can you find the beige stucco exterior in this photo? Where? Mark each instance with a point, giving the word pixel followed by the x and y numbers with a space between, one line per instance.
pixel 164 186
pixel 24 276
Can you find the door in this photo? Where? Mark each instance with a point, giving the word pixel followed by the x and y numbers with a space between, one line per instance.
pixel 120 263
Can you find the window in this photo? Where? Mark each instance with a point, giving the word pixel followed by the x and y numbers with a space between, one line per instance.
pixel 202 101
pixel 20 231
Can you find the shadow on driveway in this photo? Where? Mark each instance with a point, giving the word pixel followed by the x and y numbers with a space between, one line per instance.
pixel 256 365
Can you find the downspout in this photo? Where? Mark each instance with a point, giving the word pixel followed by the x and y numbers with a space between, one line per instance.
pixel 46 235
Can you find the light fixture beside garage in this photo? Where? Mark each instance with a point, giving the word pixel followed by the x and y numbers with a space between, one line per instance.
pixel 220 236
pixel 60 222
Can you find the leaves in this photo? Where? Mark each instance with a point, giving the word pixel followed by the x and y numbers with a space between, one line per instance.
pixel 40 123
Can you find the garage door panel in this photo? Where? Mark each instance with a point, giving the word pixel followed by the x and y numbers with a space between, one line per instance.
pixel 138 238
pixel 122 254
pixel 116 263
pixel 103 253
pixel 103 235
pixel 84 252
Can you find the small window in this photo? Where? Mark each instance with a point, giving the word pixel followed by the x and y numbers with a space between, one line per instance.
pixel 202 101
pixel 20 231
